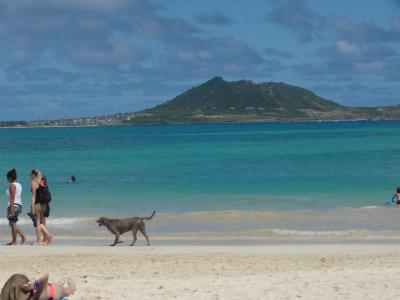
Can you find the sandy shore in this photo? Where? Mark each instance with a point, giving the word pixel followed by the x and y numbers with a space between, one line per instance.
pixel 337 271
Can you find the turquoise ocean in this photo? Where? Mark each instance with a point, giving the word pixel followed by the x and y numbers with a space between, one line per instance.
pixel 322 176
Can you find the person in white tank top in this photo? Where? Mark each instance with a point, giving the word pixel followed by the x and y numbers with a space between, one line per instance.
pixel 17 195
pixel 14 201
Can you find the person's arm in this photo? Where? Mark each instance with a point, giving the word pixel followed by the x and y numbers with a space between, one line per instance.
pixel 43 281
pixel 12 189
pixel 33 190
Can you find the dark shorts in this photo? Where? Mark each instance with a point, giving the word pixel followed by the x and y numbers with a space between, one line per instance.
pixel 12 221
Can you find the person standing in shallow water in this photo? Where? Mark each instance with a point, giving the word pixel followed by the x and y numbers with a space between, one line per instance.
pixel 14 201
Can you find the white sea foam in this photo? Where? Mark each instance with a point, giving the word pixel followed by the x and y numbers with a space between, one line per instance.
pixel 355 234
pixel 370 207
pixel 51 221
pixel 363 222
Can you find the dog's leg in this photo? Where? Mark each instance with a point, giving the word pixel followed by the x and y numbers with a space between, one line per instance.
pixel 134 236
pixel 116 241
pixel 143 231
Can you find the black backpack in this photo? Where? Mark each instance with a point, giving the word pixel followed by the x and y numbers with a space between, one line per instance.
pixel 44 195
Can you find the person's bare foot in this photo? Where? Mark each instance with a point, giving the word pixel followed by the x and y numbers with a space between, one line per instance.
pixel 11 244
pixel 40 243
pixel 23 240
pixel 49 239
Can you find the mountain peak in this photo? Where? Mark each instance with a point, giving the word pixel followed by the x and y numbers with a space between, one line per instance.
pixel 217 78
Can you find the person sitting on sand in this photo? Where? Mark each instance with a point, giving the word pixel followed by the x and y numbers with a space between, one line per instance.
pixel 14 204
pixel 19 287
pixel 396 196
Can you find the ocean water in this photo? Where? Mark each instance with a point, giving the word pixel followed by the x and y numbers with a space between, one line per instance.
pixel 339 168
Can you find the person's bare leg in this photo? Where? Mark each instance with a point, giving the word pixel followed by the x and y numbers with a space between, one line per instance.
pixel 13 236
pixel 71 286
pixel 38 231
pixel 47 236
pixel 43 220
pixel 21 234
pixel 68 287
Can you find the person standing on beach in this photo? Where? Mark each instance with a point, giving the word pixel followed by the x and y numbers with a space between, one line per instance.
pixel 14 201
pixel 37 208
pixel 45 198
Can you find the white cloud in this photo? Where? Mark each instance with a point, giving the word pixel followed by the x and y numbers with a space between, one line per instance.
pixel 347 48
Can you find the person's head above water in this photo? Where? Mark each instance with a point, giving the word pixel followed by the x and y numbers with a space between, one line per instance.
pixel 72 179
pixel 398 190
pixel 12 175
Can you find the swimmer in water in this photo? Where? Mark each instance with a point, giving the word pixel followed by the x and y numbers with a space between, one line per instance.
pixel 396 196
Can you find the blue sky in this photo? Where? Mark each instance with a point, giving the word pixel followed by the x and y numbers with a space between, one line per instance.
pixel 69 58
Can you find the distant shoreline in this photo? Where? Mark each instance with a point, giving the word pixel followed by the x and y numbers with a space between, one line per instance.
pixel 61 126
pixel 121 124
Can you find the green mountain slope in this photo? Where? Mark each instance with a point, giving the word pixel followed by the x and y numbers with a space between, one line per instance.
pixel 219 97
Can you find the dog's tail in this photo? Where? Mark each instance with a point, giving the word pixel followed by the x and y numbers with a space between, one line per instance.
pixel 150 217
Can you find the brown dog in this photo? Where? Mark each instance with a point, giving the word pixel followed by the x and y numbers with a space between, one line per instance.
pixel 120 226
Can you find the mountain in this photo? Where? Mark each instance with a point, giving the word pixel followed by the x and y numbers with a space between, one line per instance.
pixel 218 100
pixel 218 97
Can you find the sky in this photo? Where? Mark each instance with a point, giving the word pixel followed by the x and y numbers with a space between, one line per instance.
pixel 72 58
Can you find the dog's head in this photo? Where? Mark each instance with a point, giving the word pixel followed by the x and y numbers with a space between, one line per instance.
pixel 102 221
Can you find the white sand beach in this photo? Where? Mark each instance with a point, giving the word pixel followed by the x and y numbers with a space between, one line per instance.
pixel 290 271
